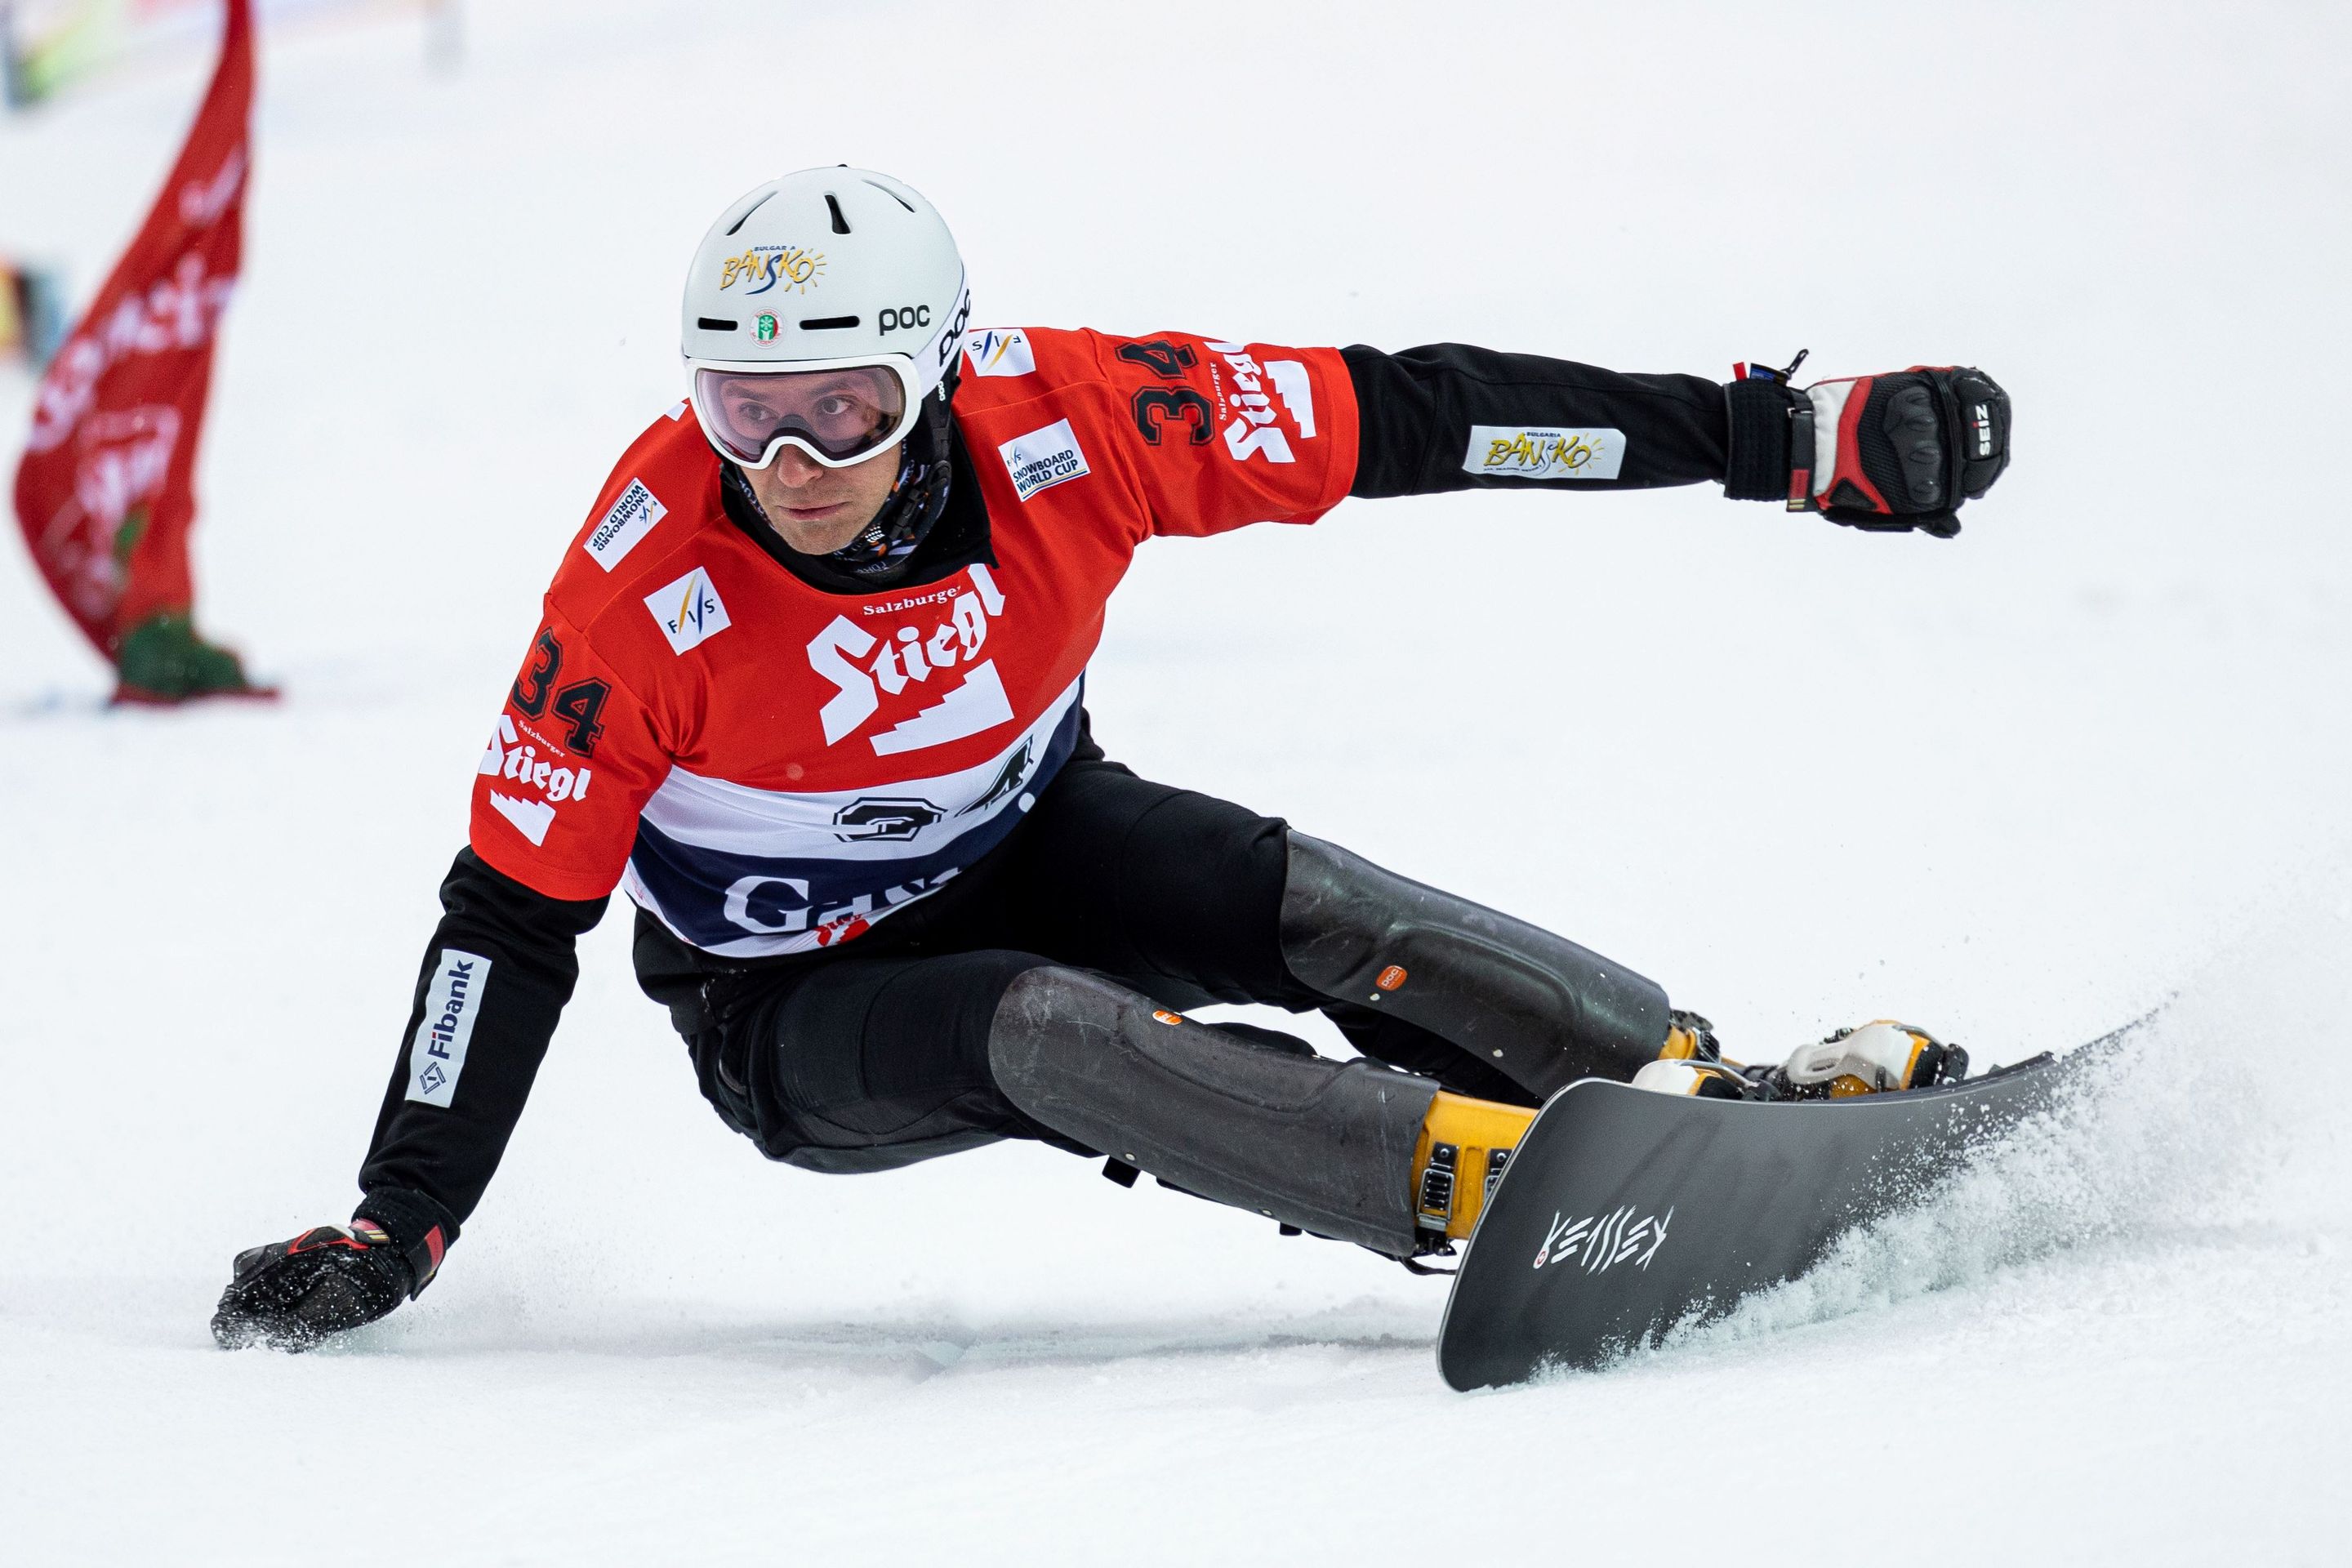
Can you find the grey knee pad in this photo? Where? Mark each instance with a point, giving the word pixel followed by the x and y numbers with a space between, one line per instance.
pixel 1537 1008
pixel 1323 1145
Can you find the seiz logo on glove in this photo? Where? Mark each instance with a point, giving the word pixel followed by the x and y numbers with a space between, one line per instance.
pixel 1886 453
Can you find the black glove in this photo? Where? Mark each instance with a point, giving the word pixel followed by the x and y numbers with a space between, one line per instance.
pixel 1888 453
pixel 290 1295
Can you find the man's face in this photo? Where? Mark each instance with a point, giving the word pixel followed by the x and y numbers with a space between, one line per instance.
pixel 817 510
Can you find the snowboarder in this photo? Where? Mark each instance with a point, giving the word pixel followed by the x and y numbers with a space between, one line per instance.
pixel 809 686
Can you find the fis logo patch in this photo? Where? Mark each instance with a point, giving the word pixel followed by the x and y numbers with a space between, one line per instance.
pixel 628 519
pixel 689 611
pixel 1513 452
pixel 437 1054
pixel 998 351
pixel 1042 458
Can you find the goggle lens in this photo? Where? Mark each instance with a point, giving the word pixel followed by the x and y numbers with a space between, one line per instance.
pixel 844 414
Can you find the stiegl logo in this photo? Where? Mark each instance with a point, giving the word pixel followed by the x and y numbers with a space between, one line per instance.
pixel 451 1003
pixel 1254 432
pixel 906 659
pixel 1600 1242
pixel 506 757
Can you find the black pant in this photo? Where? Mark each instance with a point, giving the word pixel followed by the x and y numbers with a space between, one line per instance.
pixel 875 1054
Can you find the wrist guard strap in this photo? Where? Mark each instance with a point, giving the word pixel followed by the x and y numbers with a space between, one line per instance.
pixel 419 1226
pixel 1762 405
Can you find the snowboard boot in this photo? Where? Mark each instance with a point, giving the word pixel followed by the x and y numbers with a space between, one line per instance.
pixel 1465 1143
pixel 1533 1007
pixel 1464 1146
pixel 1877 1059
pixel 1691 1063
pixel 1323 1146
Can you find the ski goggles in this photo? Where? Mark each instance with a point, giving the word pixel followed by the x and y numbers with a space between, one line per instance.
pixel 839 412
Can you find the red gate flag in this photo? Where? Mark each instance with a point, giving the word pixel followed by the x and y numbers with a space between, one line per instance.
pixel 106 492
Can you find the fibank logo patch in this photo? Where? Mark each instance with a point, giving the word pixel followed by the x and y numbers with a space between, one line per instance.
pixel 997 350
pixel 1042 458
pixel 1516 452
pixel 437 1054
pixel 628 519
pixel 765 266
pixel 689 611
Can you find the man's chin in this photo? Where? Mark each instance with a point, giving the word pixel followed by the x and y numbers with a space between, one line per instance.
pixel 821 538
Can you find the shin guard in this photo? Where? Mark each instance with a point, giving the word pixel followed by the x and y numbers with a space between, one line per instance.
pixel 1537 1007
pixel 1323 1145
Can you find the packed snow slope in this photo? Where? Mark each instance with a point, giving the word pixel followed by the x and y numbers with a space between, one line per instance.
pixel 2086 758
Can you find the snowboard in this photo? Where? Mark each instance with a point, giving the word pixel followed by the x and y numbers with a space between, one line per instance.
pixel 1623 1212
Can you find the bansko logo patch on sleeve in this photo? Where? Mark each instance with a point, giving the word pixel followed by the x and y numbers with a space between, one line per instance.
pixel 1042 458
pixel 438 1055
pixel 1524 452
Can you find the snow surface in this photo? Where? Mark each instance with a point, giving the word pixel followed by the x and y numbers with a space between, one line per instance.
pixel 2087 759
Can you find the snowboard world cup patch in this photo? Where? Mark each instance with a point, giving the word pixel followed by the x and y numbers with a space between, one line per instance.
pixel 628 519
pixel 1042 458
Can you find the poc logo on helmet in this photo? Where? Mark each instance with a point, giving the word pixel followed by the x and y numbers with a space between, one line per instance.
pixel 950 339
pixel 905 316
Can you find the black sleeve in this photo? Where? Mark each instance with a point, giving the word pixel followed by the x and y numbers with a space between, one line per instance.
pixel 496 977
pixel 1417 412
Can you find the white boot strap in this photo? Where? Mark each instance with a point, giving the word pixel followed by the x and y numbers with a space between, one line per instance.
pixel 1881 1055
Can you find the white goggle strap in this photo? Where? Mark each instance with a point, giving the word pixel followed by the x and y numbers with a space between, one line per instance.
pixel 936 357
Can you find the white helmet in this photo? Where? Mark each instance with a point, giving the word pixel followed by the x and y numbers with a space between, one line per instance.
pixel 820 310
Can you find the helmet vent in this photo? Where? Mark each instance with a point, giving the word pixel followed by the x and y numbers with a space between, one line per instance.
pixel 714 324
pixel 891 194
pixel 840 223
pixel 827 323
pixel 755 207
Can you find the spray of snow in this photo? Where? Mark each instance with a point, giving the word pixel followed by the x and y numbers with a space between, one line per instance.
pixel 2217 1126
